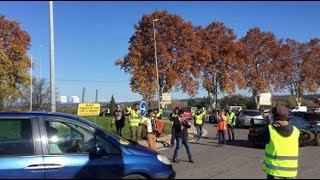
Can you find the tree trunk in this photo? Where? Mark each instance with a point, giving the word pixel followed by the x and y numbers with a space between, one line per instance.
pixel 255 95
pixel 298 100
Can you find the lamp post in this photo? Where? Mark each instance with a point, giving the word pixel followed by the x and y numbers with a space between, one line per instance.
pixel 40 61
pixel 31 85
pixel 155 57
pixel 52 67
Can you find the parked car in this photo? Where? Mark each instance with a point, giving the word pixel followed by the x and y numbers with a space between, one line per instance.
pixel 189 112
pixel 299 109
pixel 309 135
pixel 245 116
pixel 42 145
pixel 312 118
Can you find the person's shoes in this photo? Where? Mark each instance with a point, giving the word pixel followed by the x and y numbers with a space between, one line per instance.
pixel 191 161
pixel 175 161
pixel 218 145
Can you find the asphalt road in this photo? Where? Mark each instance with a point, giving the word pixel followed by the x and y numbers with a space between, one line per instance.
pixel 235 160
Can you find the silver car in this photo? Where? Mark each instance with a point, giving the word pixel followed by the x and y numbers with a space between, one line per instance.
pixel 245 116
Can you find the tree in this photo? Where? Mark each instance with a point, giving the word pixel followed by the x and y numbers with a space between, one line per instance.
pixel 112 105
pixel 177 45
pixel 14 62
pixel 259 72
pixel 299 68
pixel 1 101
pixel 40 96
pixel 193 103
pixel 222 59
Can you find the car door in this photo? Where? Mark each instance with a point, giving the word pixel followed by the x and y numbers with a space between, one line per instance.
pixel 20 149
pixel 67 152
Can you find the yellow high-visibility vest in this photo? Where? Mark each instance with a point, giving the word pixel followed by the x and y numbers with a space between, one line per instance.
pixel 230 118
pixel 200 117
pixel 134 117
pixel 281 154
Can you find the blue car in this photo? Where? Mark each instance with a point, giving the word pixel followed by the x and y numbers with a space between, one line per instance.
pixel 39 145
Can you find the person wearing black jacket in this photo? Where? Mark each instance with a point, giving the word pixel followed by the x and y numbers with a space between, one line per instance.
pixel 173 116
pixel 181 132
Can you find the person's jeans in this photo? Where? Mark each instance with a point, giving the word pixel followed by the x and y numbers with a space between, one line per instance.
pixel 230 132
pixel 185 142
pixel 119 126
pixel 136 133
pixel 222 139
pixel 173 135
pixel 199 130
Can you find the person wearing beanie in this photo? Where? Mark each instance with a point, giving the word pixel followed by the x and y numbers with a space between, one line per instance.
pixel 282 149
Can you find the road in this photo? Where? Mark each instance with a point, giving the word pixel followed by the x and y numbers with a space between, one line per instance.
pixel 236 160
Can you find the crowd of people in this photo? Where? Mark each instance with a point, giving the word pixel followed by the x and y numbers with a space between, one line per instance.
pixel 279 161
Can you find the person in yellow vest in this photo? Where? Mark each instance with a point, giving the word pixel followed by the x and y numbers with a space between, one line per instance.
pixel 282 149
pixel 231 115
pixel 158 114
pixel 198 121
pixel 135 122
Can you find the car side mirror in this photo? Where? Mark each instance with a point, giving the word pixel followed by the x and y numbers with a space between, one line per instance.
pixel 96 152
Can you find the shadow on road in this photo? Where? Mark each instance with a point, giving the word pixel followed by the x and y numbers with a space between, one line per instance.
pixel 204 144
pixel 240 143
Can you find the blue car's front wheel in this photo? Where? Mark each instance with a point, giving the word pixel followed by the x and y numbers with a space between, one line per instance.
pixel 134 176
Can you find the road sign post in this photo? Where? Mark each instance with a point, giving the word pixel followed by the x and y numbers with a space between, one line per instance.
pixel 143 108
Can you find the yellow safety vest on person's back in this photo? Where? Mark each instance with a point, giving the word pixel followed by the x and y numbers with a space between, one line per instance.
pixel 200 117
pixel 281 154
pixel 231 116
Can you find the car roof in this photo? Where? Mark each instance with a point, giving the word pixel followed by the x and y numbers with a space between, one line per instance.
pixel 36 113
pixel 251 110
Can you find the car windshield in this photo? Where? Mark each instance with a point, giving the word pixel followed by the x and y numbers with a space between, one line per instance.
pixel 186 109
pixel 121 140
pixel 299 122
pixel 252 113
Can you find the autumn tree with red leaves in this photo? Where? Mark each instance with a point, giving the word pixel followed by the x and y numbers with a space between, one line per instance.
pixel 177 46
pixel 14 62
pixel 222 59
pixel 259 72
pixel 298 68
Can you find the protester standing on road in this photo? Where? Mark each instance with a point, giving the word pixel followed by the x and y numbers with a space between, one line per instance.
pixel 173 116
pixel 118 119
pixel 282 149
pixel 149 122
pixel 135 123
pixel 231 123
pixel 222 127
pixel 198 119
pixel 181 129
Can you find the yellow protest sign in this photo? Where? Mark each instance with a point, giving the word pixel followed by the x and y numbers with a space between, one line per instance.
pixel 88 109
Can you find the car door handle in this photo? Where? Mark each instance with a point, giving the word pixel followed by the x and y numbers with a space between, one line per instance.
pixel 43 166
pixel 35 167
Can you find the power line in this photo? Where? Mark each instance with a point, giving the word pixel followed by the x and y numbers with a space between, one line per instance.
pixel 87 81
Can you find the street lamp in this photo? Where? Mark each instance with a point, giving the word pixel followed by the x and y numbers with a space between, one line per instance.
pixel 155 57
pixel 40 46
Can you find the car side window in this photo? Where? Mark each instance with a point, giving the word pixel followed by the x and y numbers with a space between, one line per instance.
pixel 70 138
pixel 16 137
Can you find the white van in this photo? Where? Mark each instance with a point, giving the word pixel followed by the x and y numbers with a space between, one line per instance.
pixel 299 109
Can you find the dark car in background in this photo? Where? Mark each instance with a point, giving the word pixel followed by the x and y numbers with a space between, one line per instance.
pixel 309 134
pixel 311 117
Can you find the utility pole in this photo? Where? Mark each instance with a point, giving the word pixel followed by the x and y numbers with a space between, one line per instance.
pixel 31 85
pixel 83 93
pixel 155 56
pixel 52 67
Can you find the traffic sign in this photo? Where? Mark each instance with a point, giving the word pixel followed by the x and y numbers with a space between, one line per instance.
pixel 143 108
pixel 87 109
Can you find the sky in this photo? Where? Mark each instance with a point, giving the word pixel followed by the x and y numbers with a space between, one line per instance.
pixel 91 36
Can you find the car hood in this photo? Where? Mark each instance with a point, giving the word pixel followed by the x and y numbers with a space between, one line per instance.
pixel 139 150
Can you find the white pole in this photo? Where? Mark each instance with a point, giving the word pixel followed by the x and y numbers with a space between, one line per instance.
pixel 155 56
pixel 31 85
pixel 52 69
